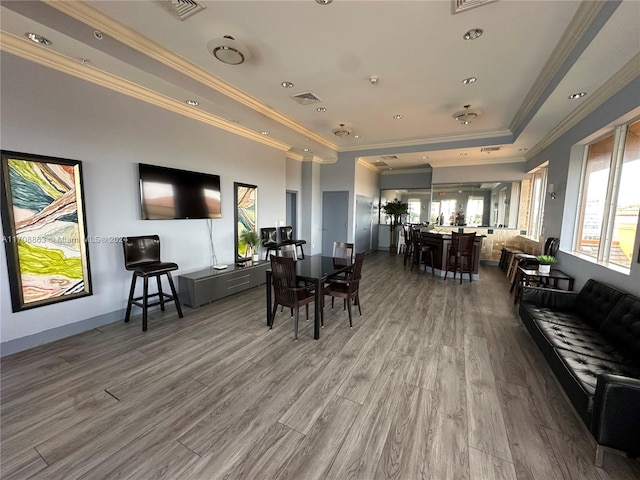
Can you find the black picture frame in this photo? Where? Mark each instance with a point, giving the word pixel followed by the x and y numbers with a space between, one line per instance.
pixel 45 229
pixel 245 215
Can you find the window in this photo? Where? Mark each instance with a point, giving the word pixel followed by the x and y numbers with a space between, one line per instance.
pixel 610 201
pixel 414 210
pixel 538 190
pixel 475 210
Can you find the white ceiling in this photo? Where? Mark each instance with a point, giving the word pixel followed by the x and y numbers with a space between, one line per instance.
pixel 531 57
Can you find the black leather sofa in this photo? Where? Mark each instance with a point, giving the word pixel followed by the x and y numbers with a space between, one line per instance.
pixel 591 340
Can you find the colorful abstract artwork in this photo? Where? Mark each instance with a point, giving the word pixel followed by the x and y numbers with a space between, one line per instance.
pixel 44 230
pixel 245 215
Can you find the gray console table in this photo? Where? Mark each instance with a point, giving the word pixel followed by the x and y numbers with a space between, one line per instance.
pixel 207 285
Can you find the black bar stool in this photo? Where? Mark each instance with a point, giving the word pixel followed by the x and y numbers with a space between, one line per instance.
pixel 142 257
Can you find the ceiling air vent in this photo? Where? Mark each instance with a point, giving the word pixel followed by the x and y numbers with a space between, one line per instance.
pixel 462 5
pixel 389 157
pixel 181 9
pixel 378 163
pixel 489 149
pixel 306 98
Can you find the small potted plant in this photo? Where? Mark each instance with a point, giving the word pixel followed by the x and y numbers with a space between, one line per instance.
pixel 252 240
pixel 545 263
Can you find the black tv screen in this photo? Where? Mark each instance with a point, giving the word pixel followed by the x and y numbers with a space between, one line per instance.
pixel 169 193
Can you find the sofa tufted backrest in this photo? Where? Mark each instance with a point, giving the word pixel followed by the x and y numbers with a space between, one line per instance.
pixel 595 301
pixel 622 326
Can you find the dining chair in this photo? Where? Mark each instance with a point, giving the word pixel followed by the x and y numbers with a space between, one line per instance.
pixel 142 257
pixel 286 290
pixel 348 287
pixel 460 254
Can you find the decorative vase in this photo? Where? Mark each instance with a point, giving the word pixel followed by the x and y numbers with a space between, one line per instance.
pixel 255 257
pixel 544 268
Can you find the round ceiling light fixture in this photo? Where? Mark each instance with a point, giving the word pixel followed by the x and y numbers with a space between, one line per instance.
pixel 324 2
pixel 228 50
pixel 342 131
pixel 466 116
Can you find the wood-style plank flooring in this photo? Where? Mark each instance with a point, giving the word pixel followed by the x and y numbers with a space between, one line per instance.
pixel 436 380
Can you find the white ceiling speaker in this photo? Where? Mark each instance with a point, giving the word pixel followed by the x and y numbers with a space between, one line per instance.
pixel 342 131
pixel 466 116
pixel 228 50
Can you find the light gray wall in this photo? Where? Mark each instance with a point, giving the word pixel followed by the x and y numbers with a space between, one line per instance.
pixel 367 183
pixel 498 172
pixel 564 171
pixel 340 176
pixel 49 113
pixel 392 181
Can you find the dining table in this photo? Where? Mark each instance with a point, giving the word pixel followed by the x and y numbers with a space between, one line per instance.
pixel 315 269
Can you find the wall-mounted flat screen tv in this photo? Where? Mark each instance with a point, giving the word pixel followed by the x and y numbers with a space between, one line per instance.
pixel 169 193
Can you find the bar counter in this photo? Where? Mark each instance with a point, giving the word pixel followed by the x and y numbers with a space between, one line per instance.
pixel 440 242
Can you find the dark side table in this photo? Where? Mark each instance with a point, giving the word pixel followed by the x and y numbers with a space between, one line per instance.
pixel 551 279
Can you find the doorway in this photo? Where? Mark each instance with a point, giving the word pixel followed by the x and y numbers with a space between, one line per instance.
pixel 291 213
pixel 335 218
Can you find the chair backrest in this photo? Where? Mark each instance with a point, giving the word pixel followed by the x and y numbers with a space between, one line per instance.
pixel 462 243
pixel 283 275
pixel 343 250
pixel 141 250
pixel 551 246
pixel 286 234
pixel 355 274
pixel 269 236
pixel 288 251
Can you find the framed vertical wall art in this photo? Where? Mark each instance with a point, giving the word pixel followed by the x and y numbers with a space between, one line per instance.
pixel 44 228
pixel 246 215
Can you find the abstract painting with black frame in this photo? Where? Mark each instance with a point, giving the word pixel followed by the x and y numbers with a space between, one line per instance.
pixel 246 215
pixel 45 229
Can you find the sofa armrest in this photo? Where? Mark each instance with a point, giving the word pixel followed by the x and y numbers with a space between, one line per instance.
pixel 548 297
pixel 615 420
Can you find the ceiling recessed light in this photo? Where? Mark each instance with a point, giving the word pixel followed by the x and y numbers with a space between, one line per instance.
pixel 305 149
pixel 287 84
pixel 469 80
pixel 462 154
pixel 85 61
pixel 193 103
pixel 398 117
pixel 324 2
pixel 473 34
pixel 573 96
pixel 356 136
pixel 523 149
pixel 235 121
pixel 424 158
pixel 34 37
pixel 264 132
pixel 321 109
pixel 98 34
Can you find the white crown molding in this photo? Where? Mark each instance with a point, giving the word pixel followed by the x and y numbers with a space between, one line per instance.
pixel 580 23
pixel 36 53
pixel 368 166
pixel 408 171
pixel 428 141
pixel 463 162
pixel 620 79
pixel 96 19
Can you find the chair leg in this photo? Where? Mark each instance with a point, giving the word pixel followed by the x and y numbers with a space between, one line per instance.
pixel 357 298
pixel 160 295
pixel 295 328
pixel 129 302
pixel 348 302
pixel 301 251
pixel 176 300
pixel 145 292
pixel 273 315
